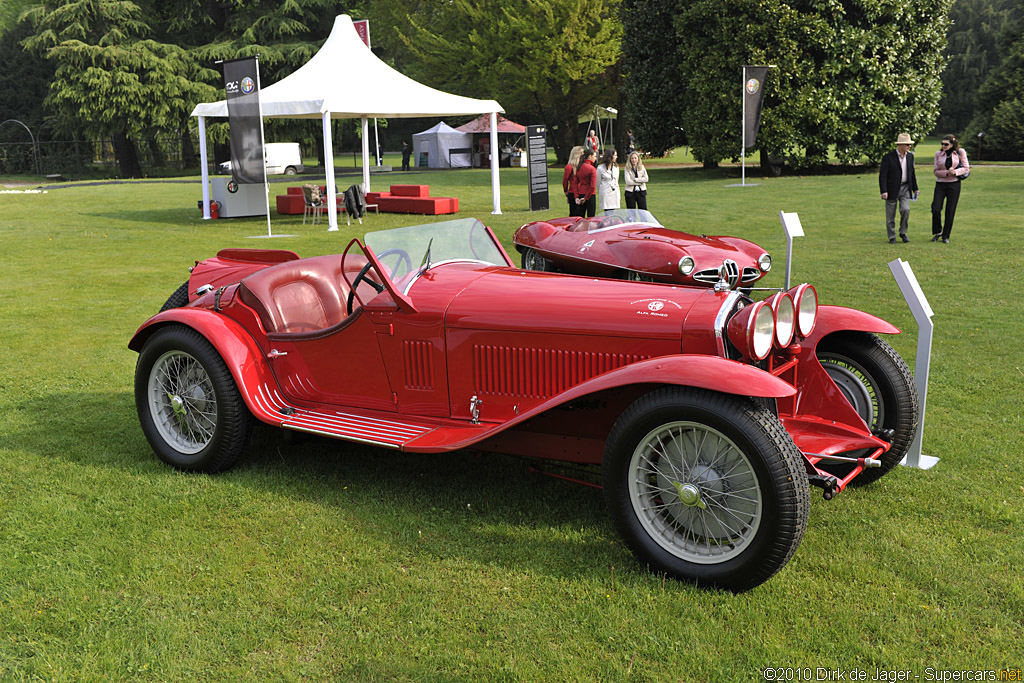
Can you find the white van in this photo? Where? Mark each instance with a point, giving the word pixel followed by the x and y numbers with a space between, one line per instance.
pixel 281 157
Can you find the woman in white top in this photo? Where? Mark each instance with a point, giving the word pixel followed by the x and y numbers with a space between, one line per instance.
pixel 636 183
pixel 608 181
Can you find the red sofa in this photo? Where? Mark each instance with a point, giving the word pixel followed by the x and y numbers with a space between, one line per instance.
pixel 412 199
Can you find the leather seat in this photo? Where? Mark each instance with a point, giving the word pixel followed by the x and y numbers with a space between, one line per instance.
pixel 298 296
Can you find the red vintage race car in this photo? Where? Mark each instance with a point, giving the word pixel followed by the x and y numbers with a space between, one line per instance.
pixel 631 244
pixel 707 413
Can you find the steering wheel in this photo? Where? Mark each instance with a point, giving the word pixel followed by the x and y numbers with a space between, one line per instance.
pixel 403 255
pixel 361 277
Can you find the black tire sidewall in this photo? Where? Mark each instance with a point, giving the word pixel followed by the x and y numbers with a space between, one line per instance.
pixel 752 566
pixel 232 417
pixel 876 358
pixel 178 299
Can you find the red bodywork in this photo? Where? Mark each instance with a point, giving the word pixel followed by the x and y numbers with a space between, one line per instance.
pixel 609 245
pixel 465 353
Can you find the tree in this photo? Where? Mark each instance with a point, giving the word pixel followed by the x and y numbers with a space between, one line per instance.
pixel 110 78
pixel 971 51
pixel 850 75
pixel 552 58
pixel 1000 103
pixel 651 86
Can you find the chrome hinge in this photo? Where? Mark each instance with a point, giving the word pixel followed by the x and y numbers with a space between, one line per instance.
pixel 274 353
pixel 474 409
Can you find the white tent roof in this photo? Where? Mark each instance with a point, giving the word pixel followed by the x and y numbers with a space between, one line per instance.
pixel 346 79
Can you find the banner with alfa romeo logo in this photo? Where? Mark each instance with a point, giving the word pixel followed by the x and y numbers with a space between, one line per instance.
pixel 753 94
pixel 241 83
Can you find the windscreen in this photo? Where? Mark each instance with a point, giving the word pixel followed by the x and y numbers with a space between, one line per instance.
pixel 412 248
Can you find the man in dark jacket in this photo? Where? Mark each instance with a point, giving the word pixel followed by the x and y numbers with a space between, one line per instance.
pixel 898 184
pixel 406 153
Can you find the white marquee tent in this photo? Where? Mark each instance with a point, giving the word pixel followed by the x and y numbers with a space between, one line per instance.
pixel 438 143
pixel 345 80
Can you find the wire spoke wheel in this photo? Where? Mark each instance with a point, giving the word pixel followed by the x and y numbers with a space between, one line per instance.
pixel 182 401
pixel 706 487
pixel 189 407
pixel 695 492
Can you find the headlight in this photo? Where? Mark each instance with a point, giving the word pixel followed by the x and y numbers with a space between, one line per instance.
pixel 805 299
pixel 686 265
pixel 785 318
pixel 764 262
pixel 752 330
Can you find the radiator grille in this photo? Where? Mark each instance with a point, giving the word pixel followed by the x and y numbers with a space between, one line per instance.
pixel 538 373
pixel 419 364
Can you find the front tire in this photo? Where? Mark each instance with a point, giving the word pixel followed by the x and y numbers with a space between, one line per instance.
pixel 705 487
pixel 532 260
pixel 878 384
pixel 188 405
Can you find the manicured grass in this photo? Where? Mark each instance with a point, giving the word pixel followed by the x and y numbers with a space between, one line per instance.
pixel 331 561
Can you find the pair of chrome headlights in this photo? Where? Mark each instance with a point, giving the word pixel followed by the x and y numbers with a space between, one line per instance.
pixel 774 322
pixel 687 264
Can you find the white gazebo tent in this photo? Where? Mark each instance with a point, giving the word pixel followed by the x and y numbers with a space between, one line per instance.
pixel 438 142
pixel 345 80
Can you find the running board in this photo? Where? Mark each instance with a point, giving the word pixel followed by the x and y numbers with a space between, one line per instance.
pixel 336 424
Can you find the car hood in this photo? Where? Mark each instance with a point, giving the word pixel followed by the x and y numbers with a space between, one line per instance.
pixel 525 301
pixel 701 247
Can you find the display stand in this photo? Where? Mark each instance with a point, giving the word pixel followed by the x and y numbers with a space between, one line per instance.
pixel 791 225
pixel 923 313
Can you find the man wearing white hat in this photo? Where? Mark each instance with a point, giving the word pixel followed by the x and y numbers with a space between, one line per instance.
pixel 898 184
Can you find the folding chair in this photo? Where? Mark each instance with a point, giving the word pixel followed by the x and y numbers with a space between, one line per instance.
pixel 314 202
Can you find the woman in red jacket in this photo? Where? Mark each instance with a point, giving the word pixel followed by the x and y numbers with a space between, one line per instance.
pixel 569 179
pixel 586 185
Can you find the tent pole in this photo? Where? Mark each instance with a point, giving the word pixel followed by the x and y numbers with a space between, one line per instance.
pixel 332 189
pixel 203 169
pixel 495 183
pixel 366 155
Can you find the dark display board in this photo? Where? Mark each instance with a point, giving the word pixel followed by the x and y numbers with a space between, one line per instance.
pixel 537 166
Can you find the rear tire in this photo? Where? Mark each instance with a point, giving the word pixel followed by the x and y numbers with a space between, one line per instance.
pixel 188 405
pixel 705 487
pixel 178 299
pixel 878 384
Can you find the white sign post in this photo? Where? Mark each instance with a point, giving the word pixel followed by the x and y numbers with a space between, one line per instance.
pixel 791 224
pixel 918 303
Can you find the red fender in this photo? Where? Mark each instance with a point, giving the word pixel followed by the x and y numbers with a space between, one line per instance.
pixel 838 318
pixel 235 345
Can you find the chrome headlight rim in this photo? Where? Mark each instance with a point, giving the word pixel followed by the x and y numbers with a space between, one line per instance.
pixel 687 265
pixel 761 330
pixel 805 300
pixel 785 318
pixel 764 262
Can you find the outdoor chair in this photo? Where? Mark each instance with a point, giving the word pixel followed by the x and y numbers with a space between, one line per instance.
pixel 314 202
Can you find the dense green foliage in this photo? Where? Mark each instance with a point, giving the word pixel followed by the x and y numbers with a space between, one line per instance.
pixel 971 52
pixel 1000 110
pixel 651 84
pixel 554 59
pixel 849 74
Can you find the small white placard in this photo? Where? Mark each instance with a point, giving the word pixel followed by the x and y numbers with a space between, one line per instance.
pixel 791 224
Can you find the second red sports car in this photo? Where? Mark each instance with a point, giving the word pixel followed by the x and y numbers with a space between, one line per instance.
pixel 631 244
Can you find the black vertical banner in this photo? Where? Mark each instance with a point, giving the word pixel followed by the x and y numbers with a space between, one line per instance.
pixel 243 97
pixel 753 95
pixel 537 166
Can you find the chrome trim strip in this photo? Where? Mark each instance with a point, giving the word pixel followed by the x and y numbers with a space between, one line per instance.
pixel 720 320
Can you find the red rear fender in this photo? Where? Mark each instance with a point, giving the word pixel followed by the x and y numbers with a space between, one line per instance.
pixel 236 347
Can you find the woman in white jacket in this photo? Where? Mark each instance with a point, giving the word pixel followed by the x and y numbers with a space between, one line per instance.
pixel 608 181
pixel 636 183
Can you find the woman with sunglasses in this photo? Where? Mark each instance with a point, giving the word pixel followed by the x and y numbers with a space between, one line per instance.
pixel 950 166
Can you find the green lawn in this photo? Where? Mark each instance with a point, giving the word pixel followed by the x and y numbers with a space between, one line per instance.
pixel 331 561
